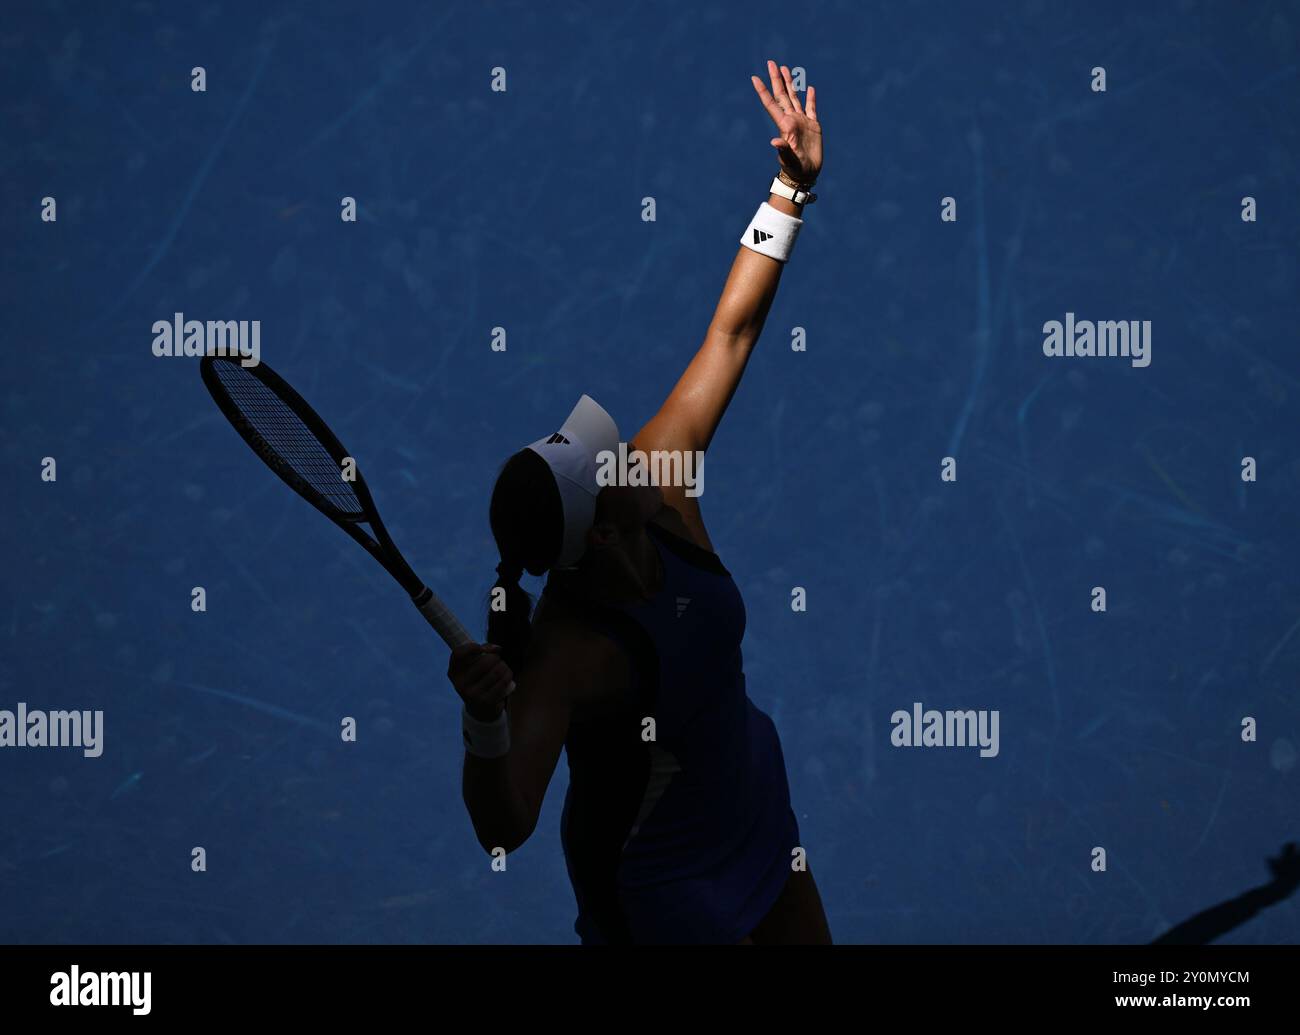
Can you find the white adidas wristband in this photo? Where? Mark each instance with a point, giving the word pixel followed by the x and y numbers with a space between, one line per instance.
pixel 771 232
pixel 485 739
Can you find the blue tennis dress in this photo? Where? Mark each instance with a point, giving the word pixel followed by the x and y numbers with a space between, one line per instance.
pixel 687 839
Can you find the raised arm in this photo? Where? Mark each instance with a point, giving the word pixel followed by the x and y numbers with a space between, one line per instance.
pixel 694 408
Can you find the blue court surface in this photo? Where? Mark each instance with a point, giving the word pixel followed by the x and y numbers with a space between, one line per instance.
pixel 522 209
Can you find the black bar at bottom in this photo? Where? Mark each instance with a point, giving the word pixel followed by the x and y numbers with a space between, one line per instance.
pixel 455 985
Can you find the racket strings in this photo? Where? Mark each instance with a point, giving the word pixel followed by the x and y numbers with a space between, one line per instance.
pixel 288 437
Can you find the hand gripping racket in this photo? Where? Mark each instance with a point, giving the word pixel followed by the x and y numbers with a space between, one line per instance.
pixel 296 444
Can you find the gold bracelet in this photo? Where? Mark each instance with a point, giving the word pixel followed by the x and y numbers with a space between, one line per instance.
pixel 790 181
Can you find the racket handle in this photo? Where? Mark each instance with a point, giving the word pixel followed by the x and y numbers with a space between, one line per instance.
pixel 437 614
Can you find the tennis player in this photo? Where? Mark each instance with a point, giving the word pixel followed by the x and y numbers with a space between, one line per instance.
pixel 677 826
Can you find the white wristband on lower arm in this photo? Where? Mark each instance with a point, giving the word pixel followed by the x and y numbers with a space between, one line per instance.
pixel 772 232
pixel 485 739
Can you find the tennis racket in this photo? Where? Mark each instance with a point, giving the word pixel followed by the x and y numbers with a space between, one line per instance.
pixel 297 445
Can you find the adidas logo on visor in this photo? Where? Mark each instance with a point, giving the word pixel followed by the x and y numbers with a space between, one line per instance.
pixel 557 437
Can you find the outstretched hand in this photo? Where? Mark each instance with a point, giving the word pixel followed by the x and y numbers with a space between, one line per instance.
pixel 799 136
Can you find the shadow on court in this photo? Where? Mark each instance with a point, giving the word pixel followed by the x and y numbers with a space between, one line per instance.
pixel 1217 921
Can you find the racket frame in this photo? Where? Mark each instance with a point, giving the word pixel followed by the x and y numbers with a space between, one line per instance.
pixel 381 546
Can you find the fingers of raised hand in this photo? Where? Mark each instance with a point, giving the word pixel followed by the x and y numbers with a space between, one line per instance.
pixel 790 92
pixel 778 85
pixel 769 103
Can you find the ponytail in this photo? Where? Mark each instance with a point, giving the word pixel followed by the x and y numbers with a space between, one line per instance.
pixel 511 628
pixel 527 520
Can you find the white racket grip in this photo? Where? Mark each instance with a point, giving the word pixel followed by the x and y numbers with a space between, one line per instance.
pixel 437 614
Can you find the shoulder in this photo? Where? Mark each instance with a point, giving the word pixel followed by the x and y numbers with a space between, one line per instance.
pixel 669 519
pixel 589 662
pixel 696 550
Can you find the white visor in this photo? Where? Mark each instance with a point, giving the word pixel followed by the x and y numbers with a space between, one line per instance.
pixel 571 455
